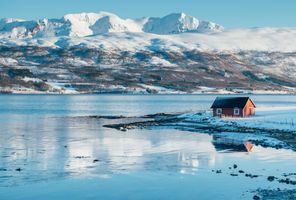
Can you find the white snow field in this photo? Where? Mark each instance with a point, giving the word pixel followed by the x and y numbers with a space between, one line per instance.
pixel 276 117
pixel 234 40
pixel 281 118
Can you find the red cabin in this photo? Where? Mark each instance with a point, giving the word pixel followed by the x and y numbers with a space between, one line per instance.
pixel 233 107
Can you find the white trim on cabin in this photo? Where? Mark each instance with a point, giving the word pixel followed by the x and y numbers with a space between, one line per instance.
pixel 236 111
pixel 219 111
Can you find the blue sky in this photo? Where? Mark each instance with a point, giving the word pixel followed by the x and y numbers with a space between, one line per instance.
pixel 229 13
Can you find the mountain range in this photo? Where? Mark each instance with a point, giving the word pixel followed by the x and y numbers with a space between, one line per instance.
pixel 177 53
pixel 87 24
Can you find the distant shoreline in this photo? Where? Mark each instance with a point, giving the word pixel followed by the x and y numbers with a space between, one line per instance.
pixel 144 94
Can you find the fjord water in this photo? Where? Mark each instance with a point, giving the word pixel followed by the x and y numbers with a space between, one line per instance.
pixel 50 150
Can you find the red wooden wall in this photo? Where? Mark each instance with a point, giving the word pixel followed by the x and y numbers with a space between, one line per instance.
pixel 248 110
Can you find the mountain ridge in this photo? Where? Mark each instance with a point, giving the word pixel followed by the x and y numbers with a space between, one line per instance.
pixel 86 24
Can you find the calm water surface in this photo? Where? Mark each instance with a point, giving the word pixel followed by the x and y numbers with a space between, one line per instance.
pixel 63 155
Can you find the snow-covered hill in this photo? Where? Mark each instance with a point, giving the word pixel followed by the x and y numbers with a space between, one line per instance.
pixel 235 40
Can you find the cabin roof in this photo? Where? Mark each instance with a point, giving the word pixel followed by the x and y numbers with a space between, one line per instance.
pixel 231 102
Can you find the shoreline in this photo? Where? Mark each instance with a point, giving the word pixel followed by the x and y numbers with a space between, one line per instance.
pixel 230 131
pixel 146 94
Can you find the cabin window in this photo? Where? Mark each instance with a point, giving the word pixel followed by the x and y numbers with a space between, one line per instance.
pixel 219 111
pixel 236 111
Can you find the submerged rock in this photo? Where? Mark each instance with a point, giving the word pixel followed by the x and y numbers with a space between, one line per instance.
pixel 275 194
pixel 251 175
pixel 255 197
pixel 233 174
pixel 270 178
pixel 18 169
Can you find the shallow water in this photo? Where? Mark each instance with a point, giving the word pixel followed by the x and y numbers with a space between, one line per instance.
pixel 63 155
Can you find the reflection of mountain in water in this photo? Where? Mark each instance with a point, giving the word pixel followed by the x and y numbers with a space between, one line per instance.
pixel 62 147
pixel 48 148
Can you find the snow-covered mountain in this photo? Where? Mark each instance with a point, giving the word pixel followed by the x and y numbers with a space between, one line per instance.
pixel 86 24
pixel 101 52
pixel 179 23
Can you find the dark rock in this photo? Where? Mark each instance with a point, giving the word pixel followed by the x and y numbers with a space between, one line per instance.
pixel 218 171
pixel 287 181
pixel 255 197
pixel 292 182
pixel 95 160
pixel 123 129
pixel 233 174
pixel 234 166
pixel 270 178
pixel 251 175
pixel 290 174
pixel 81 157
pixel 107 117
pixel 241 171
pixel 18 169
pixel 276 193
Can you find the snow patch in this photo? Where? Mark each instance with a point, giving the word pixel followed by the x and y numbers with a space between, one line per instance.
pixel 8 61
pixel 162 62
pixel 36 80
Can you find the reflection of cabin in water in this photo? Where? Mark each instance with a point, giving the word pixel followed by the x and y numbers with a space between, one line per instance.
pixel 233 107
pixel 228 144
